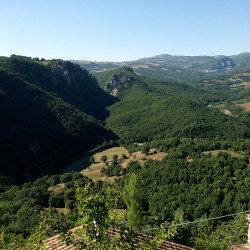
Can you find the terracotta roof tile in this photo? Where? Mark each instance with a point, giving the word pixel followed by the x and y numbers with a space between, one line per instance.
pixel 55 243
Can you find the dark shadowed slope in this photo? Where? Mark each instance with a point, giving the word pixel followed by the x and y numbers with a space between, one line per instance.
pixel 39 131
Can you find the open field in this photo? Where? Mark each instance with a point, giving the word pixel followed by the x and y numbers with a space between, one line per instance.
pixel 110 152
pixel 216 152
pixel 56 188
pixel 245 106
pixel 94 170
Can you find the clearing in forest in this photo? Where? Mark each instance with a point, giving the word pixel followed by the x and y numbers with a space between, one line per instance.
pixel 94 170
pixel 56 188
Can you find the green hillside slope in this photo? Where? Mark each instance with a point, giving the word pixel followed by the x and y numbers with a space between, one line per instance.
pixel 124 83
pixel 39 132
pixel 146 119
pixel 74 85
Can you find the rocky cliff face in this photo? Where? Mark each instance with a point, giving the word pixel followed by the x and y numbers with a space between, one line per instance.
pixel 225 62
pixel 116 81
pixel 66 73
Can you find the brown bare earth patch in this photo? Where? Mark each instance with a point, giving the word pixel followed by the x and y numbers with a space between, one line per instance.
pixel 242 85
pixel 94 170
pixel 56 188
pixel 245 106
pixel 216 152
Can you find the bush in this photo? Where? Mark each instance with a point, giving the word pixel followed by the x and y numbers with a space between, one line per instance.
pixel 104 158
pixel 124 156
pixel 115 157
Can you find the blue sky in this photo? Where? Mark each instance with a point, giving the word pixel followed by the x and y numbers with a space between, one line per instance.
pixel 121 30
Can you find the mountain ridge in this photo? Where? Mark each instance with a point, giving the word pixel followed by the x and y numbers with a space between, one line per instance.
pixel 173 68
pixel 160 55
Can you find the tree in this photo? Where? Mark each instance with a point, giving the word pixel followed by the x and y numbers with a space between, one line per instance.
pixel 132 199
pixel 104 158
pixel 145 149
pixel 103 170
pixel 117 170
pixel 115 158
pixel 98 215
pixel 133 166
pixel 92 159
pixel 124 156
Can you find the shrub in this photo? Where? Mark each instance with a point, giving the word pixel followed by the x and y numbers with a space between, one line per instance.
pixel 104 158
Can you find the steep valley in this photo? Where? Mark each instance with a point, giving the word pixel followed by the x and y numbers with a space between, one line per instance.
pixel 64 132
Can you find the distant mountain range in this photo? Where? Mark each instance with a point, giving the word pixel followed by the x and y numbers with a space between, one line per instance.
pixel 175 68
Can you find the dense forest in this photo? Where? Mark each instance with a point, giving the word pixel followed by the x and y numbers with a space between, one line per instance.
pixel 53 113
pixel 42 126
pixel 147 119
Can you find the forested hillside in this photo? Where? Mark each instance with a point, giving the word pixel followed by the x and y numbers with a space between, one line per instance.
pixel 125 83
pixel 41 132
pixel 66 80
pixel 153 109
pixel 147 119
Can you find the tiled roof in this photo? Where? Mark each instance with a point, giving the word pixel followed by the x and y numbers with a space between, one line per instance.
pixel 55 243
